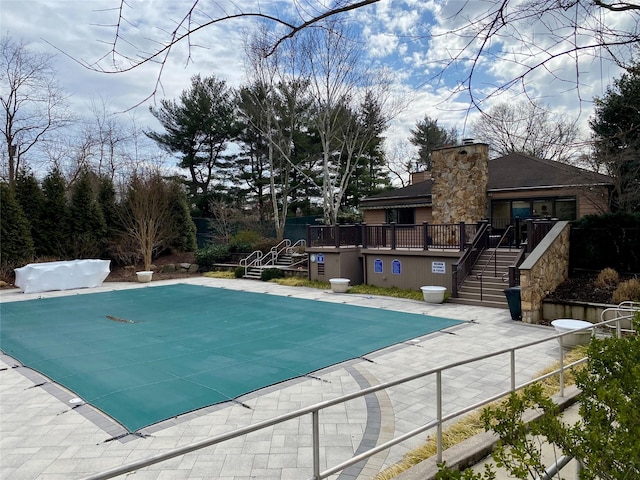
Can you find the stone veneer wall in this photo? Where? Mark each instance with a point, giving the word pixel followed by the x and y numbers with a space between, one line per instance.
pixel 544 269
pixel 460 177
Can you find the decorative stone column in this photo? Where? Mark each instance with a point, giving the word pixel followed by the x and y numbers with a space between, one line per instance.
pixel 460 176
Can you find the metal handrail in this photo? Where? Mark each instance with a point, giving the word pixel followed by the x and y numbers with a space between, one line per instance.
pixel 494 257
pixel 300 243
pixel 252 260
pixel 461 269
pixel 272 257
pixel 315 409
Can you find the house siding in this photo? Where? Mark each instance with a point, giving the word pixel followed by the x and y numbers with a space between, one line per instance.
pixel 416 269
pixel 588 201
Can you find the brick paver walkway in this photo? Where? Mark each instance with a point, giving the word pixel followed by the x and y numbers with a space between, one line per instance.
pixel 44 435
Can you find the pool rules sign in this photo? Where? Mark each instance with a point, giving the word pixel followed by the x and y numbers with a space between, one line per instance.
pixel 438 267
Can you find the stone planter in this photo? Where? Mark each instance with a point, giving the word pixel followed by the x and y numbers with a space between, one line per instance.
pixel 433 294
pixel 144 276
pixel 339 285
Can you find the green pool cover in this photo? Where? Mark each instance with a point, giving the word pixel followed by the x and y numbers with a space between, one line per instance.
pixel 146 355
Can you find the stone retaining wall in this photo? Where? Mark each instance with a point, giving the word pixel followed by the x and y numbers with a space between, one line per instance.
pixel 544 269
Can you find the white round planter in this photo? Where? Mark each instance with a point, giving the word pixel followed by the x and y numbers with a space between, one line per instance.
pixel 564 325
pixel 339 285
pixel 433 293
pixel 144 276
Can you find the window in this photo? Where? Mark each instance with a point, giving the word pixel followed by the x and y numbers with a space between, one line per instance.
pixel 566 209
pixel 401 216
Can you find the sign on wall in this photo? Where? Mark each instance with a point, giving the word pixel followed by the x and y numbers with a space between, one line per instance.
pixel 438 267
pixel 320 258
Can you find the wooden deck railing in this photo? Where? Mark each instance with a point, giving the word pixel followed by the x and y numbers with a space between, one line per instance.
pixel 424 236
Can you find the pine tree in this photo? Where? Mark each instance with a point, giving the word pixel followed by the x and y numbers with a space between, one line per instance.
pixel 182 226
pixel 87 228
pixel 55 240
pixel 31 199
pixel 16 244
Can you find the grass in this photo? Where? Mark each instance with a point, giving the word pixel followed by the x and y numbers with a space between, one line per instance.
pixel 219 274
pixel 471 424
pixel 356 289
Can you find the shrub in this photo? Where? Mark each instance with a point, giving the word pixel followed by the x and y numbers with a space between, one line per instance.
pixel 629 290
pixel 266 244
pixel 245 237
pixel 211 254
pixel 271 273
pixel 239 272
pixel 607 278
pixel 240 247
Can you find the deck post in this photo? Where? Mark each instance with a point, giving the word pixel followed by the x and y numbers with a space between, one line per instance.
pixel 336 235
pixel 365 240
pixel 393 235
pixel 425 235
pixel 462 235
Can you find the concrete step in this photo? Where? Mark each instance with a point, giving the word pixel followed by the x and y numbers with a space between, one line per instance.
pixel 485 303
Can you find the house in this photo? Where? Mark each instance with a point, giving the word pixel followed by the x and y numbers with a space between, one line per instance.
pixel 442 229
pixel 518 186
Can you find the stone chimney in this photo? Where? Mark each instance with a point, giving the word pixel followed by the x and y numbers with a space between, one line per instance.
pixel 460 178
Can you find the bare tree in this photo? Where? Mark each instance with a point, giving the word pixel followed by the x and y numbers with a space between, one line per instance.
pixel 33 105
pixel 144 213
pixel 565 31
pixel 277 105
pixel 341 84
pixel 527 127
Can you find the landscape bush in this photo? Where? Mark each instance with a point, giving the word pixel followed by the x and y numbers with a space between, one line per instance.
pixel 628 290
pixel 271 273
pixel 607 278
pixel 244 241
pixel 214 253
pixel 239 272
pixel 265 244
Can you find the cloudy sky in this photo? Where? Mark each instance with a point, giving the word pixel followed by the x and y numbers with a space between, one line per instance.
pixel 414 38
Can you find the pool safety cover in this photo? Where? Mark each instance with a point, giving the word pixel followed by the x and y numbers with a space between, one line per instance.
pixel 145 355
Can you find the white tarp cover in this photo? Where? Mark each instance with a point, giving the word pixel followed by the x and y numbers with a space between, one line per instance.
pixel 66 275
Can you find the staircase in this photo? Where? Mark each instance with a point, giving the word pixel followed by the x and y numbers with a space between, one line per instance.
pixel 280 256
pixel 488 279
pixel 284 260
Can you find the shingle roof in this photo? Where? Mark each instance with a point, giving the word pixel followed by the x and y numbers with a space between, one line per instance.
pixel 519 171
pixel 515 171
pixel 418 194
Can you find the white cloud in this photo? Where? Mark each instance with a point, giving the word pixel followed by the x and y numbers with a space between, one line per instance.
pixel 415 38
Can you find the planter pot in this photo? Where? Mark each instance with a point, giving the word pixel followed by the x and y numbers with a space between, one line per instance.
pixel 433 294
pixel 339 285
pixel 144 276
pixel 564 325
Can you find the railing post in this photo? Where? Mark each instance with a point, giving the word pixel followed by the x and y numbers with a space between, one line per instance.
pixel 365 240
pixel 454 281
pixel 513 370
pixel 393 235
pixel 439 416
pixel 336 235
pixel 561 341
pixel 530 236
pixel 308 231
pixel 425 235
pixel 518 232
pixel 462 236
pixel 315 442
